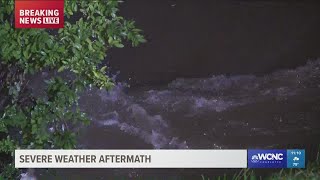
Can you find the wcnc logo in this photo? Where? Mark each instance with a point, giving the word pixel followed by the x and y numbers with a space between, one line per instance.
pixel 267 158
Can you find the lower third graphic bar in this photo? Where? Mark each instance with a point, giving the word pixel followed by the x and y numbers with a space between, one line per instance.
pixel 131 158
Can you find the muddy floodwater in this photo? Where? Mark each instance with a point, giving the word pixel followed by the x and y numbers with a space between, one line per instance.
pixel 279 109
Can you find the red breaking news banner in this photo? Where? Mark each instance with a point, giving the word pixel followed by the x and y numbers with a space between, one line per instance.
pixel 39 13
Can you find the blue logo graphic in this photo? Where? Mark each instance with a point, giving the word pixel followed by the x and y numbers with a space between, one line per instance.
pixel 295 158
pixel 273 158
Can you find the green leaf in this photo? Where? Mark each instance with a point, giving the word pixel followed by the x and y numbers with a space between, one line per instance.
pixel 119 45
pixel 61 68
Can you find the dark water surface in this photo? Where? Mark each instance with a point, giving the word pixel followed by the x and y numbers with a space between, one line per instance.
pixel 190 38
pixel 279 109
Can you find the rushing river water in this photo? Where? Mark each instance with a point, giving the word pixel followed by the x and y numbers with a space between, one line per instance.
pixel 238 111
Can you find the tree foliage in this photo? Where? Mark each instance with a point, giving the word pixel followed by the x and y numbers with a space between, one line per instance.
pixel 49 120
